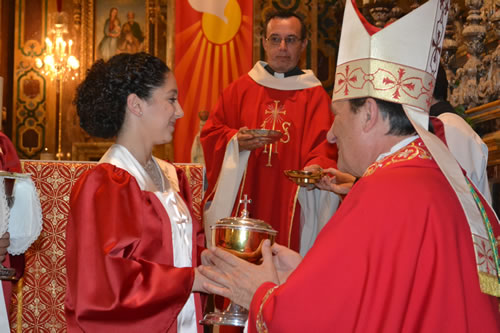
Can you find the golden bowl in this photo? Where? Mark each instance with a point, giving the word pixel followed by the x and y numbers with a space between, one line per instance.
pixel 242 236
pixel 302 177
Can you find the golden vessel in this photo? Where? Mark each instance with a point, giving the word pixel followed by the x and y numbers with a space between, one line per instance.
pixel 302 177
pixel 243 237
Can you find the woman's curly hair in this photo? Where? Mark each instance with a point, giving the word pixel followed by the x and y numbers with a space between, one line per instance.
pixel 101 99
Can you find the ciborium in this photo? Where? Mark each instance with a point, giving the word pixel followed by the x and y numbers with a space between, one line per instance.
pixel 243 237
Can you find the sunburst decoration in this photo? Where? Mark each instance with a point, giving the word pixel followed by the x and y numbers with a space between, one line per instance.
pixel 212 50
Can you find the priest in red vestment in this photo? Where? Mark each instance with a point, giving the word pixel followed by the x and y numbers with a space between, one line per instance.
pixel 278 96
pixel 413 246
pixel 132 242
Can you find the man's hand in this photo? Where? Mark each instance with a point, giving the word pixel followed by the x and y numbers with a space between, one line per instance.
pixel 336 181
pixel 248 141
pixel 239 279
pixel 4 244
pixel 312 168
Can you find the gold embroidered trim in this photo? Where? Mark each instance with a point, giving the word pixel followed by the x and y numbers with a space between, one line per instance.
pixel 409 152
pixel 384 80
pixel 19 315
pixel 261 325
pixel 187 171
pixel 489 284
pixel 295 199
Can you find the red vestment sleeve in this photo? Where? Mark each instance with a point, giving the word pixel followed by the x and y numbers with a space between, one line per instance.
pixel 315 148
pixel 120 273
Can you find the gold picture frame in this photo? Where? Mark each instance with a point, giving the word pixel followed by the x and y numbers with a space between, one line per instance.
pixel 159 28
pixel 94 17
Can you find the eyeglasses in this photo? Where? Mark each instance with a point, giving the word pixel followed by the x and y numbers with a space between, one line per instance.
pixel 289 40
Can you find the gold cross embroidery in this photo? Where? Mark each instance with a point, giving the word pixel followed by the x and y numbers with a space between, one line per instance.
pixel 274 112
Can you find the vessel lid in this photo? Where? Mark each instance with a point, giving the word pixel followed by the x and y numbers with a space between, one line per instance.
pixel 244 222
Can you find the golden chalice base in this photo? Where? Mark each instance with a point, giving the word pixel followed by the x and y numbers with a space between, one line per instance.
pixel 245 243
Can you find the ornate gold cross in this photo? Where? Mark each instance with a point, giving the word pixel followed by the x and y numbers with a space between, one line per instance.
pixel 274 114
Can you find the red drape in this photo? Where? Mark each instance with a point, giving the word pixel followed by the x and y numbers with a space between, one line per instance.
pixel 213 47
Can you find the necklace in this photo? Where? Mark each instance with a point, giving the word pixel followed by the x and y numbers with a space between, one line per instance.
pixel 154 172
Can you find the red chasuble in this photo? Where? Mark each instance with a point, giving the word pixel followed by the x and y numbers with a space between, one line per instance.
pixel 10 162
pixel 120 273
pixel 303 116
pixel 396 257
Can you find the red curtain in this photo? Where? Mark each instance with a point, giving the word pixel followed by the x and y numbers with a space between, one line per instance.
pixel 213 47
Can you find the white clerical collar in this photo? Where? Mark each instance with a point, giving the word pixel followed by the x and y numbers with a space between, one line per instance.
pixel 295 82
pixel 398 146
pixel 295 71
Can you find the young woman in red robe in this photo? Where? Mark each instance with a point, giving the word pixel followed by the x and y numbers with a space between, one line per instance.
pixel 132 243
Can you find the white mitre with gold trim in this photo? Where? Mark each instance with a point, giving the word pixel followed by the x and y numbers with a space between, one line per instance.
pixel 399 64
